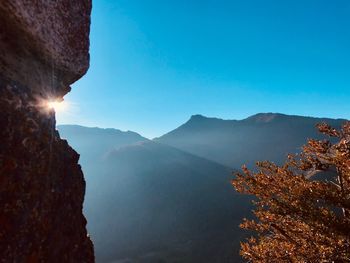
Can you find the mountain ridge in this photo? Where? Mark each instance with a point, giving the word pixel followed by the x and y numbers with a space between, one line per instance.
pixel 95 128
pixel 262 117
pixel 258 117
pixel 263 136
pixel 170 199
pixel 162 203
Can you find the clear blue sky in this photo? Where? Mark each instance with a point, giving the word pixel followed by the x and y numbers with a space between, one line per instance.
pixel 156 63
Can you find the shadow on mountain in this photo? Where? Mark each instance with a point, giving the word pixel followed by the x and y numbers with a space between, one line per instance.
pixel 148 202
pixel 264 136
pixel 170 200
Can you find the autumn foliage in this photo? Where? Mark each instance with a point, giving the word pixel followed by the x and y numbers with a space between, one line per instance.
pixel 303 207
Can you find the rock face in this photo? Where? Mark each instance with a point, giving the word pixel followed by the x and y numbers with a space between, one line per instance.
pixel 45 43
pixel 43 49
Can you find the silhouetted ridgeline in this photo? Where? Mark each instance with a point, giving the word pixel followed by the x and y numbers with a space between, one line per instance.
pixel 170 200
pixel 264 136
pixel 43 49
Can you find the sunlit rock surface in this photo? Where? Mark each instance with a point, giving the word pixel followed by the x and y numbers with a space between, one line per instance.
pixel 43 49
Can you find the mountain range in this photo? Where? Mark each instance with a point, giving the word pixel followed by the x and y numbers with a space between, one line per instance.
pixel 264 136
pixel 169 199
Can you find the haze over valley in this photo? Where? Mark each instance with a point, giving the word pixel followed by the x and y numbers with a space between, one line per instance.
pixel 125 135
pixel 170 199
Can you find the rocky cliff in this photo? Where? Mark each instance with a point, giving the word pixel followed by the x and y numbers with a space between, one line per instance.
pixel 44 48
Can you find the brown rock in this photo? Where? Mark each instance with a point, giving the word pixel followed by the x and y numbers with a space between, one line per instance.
pixel 49 37
pixel 43 49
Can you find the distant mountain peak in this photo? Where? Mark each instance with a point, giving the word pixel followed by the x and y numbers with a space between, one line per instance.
pixel 78 129
pixel 198 117
pixel 198 120
pixel 258 118
pixel 265 117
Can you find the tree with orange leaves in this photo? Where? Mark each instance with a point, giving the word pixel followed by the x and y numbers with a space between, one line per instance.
pixel 303 207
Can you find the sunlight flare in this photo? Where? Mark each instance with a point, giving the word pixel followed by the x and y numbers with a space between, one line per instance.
pixel 57 106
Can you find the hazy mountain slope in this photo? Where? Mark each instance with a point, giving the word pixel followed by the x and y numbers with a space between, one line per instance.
pixel 148 202
pixel 93 143
pixel 159 203
pixel 265 136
